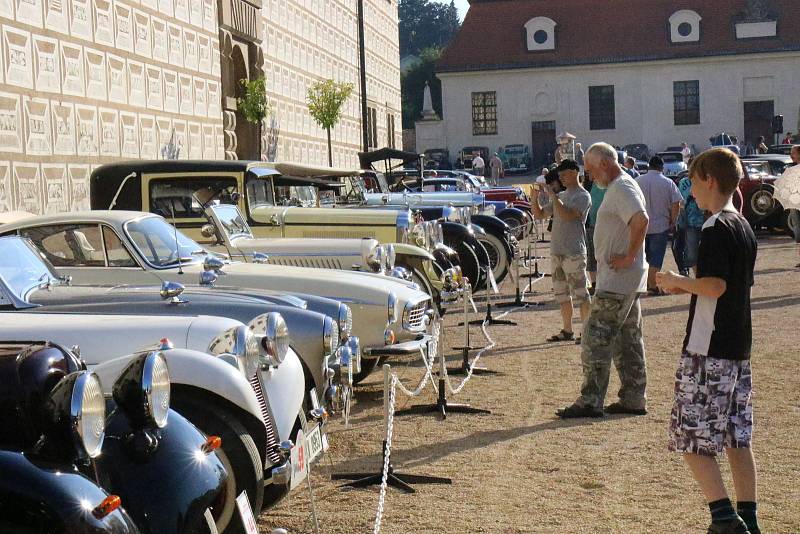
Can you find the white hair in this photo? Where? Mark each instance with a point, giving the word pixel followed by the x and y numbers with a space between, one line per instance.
pixel 603 151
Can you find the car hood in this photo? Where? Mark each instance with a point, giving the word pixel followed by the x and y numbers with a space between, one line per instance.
pixel 425 199
pixel 322 216
pixel 289 246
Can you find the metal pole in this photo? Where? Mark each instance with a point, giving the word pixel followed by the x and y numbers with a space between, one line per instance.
pixel 387 386
pixel 362 61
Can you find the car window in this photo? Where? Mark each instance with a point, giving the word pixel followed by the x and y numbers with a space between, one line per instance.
pixel 295 195
pixel 69 245
pixel 160 244
pixel 183 197
pixel 259 193
pixel 117 254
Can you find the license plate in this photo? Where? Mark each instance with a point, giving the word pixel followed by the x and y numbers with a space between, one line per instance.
pixel 246 514
pixel 306 450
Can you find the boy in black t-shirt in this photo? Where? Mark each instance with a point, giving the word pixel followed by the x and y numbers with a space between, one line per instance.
pixel 712 410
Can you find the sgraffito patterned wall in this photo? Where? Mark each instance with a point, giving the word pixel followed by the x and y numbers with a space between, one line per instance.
pixel 84 82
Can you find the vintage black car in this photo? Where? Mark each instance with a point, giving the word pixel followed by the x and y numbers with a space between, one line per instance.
pixel 54 418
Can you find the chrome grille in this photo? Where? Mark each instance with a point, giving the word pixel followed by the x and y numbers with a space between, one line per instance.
pixel 319 262
pixel 273 440
pixel 416 315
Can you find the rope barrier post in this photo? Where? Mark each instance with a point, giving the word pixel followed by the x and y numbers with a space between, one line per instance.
pixel 517 302
pixel 489 320
pixel 388 475
pixel 442 406
pixel 464 369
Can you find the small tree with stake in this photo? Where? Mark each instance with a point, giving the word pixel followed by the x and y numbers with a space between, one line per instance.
pixel 253 103
pixel 325 100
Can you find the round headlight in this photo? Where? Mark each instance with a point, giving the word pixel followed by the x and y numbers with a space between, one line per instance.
pixel 375 259
pixel 345 360
pixel 391 306
pixel 391 257
pixel 419 235
pixel 276 339
pixel 143 390
pixel 87 414
pixel 238 341
pixel 156 387
pixel 355 349
pixel 439 233
pixel 330 335
pixel 345 321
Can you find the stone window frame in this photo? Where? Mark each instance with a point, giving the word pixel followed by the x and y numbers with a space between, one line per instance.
pixel 681 18
pixel 536 26
pixel 684 112
pixel 602 109
pixel 484 112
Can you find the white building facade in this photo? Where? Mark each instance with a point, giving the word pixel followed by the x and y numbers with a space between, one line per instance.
pixel 87 82
pixel 686 75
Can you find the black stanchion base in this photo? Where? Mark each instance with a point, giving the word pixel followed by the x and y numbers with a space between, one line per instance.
pixel 535 275
pixel 490 321
pixel 442 406
pixel 396 480
pixel 463 370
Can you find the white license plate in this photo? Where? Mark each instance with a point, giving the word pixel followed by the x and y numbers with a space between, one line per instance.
pixel 306 450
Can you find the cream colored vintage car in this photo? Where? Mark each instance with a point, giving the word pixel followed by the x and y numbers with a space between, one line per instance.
pixel 390 316
pixel 171 189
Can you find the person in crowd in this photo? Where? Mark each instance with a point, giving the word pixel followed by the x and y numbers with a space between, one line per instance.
pixel 579 155
pixel 478 165
pixel 712 410
pixel 597 193
pixel 663 202
pixel 558 155
pixel 613 330
pixel 788 139
pixel 629 166
pixel 794 215
pixel 496 166
pixel 568 204
pixel 686 241
pixel 761 146
pixel 686 152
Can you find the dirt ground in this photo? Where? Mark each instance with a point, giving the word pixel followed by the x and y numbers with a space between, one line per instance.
pixel 521 469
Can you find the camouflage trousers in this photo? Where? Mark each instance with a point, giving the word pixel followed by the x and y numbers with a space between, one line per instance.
pixel 613 332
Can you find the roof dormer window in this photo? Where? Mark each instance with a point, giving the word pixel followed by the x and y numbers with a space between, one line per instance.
pixel 541 34
pixel 684 26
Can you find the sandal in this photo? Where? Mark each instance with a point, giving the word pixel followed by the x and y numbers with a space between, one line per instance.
pixel 561 336
pixel 655 292
pixel 578 340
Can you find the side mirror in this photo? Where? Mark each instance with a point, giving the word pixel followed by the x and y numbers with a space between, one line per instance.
pixel 213 264
pixel 208 230
pixel 171 291
pixel 208 278
pixel 259 257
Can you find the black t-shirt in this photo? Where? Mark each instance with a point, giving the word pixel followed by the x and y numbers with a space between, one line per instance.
pixel 721 328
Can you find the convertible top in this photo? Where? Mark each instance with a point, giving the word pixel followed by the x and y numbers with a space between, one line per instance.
pixel 312 171
pixel 383 154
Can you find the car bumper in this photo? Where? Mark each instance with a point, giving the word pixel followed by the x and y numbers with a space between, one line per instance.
pixel 399 349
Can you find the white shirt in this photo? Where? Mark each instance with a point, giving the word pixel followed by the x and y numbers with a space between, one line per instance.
pixel 687 153
pixel 478 162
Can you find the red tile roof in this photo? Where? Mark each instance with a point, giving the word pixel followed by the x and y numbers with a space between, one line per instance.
pixel 493 36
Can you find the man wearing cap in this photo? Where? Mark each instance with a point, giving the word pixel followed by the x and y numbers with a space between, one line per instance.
pixel 569 205
pixel 496 165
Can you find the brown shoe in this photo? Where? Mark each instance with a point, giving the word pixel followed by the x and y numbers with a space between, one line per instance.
pixel 617 408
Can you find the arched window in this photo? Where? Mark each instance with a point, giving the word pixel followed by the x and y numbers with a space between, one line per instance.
pixel 684 26
pixel 541 34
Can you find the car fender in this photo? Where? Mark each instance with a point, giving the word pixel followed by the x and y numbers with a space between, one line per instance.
pixel 405 249
pixel 285 389
pixel 196 369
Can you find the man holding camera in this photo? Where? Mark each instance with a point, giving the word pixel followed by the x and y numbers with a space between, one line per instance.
pixel 568 203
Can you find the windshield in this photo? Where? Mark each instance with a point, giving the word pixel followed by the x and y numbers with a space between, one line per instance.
pixel 671 157
pixel 155 239
pixel 515 149
pixel 295 195
pixel 22 268
pixel 231 220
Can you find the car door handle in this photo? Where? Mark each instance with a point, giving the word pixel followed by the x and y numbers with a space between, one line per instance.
pixel 273 220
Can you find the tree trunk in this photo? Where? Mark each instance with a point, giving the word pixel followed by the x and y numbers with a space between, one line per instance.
pixel 330 155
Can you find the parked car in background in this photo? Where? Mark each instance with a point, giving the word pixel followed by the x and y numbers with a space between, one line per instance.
pixel 758 193
pixel 674 166
pixel 640 151
pixel 777 163
pixel 723 140
pixel 468 153
pixel 437 158
pixel 780 149
pixel 130 444
pixel 516 158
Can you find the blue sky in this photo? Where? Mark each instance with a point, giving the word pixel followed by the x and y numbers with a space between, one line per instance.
pixel 462 6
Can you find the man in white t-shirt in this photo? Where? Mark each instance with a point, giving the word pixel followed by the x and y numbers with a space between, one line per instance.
pixel 687 153
pixel 613 331
pixel 478 165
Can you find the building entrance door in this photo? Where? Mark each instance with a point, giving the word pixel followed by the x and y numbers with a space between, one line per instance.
pixel 543 143
pixel 758 121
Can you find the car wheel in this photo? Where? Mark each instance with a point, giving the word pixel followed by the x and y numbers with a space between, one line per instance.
pixel 516 226
pixel 238 454
pixel 762 203
pixel 470 265
pixel 498 256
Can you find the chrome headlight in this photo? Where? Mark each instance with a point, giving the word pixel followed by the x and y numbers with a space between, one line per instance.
pixel 276 340
pixel 345 365
pixel 330 335
pixel 448 279
pixel 375 259
pixel 345 321
pixel 143 390
pixel 391 257
pixel 240 342
pixel 355 349
pixel 419 235
pixel 77 410
pixel 391 305
pixel 439 233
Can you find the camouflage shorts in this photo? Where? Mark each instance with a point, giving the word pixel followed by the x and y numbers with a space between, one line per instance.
pixel 712 410
pixel 569 273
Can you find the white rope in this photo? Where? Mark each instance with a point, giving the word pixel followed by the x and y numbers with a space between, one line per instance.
pixel 433 349
pixel 387 455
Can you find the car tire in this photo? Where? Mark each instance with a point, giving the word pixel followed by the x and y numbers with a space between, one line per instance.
pixel 516 226
pixel 762 203
pixel 497 253
pixel 469 262
pixel 238 454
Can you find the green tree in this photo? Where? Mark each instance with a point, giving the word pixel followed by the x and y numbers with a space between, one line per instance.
pixel 253 103
pixel 412 86
pixel 426 24
pixel 325 101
